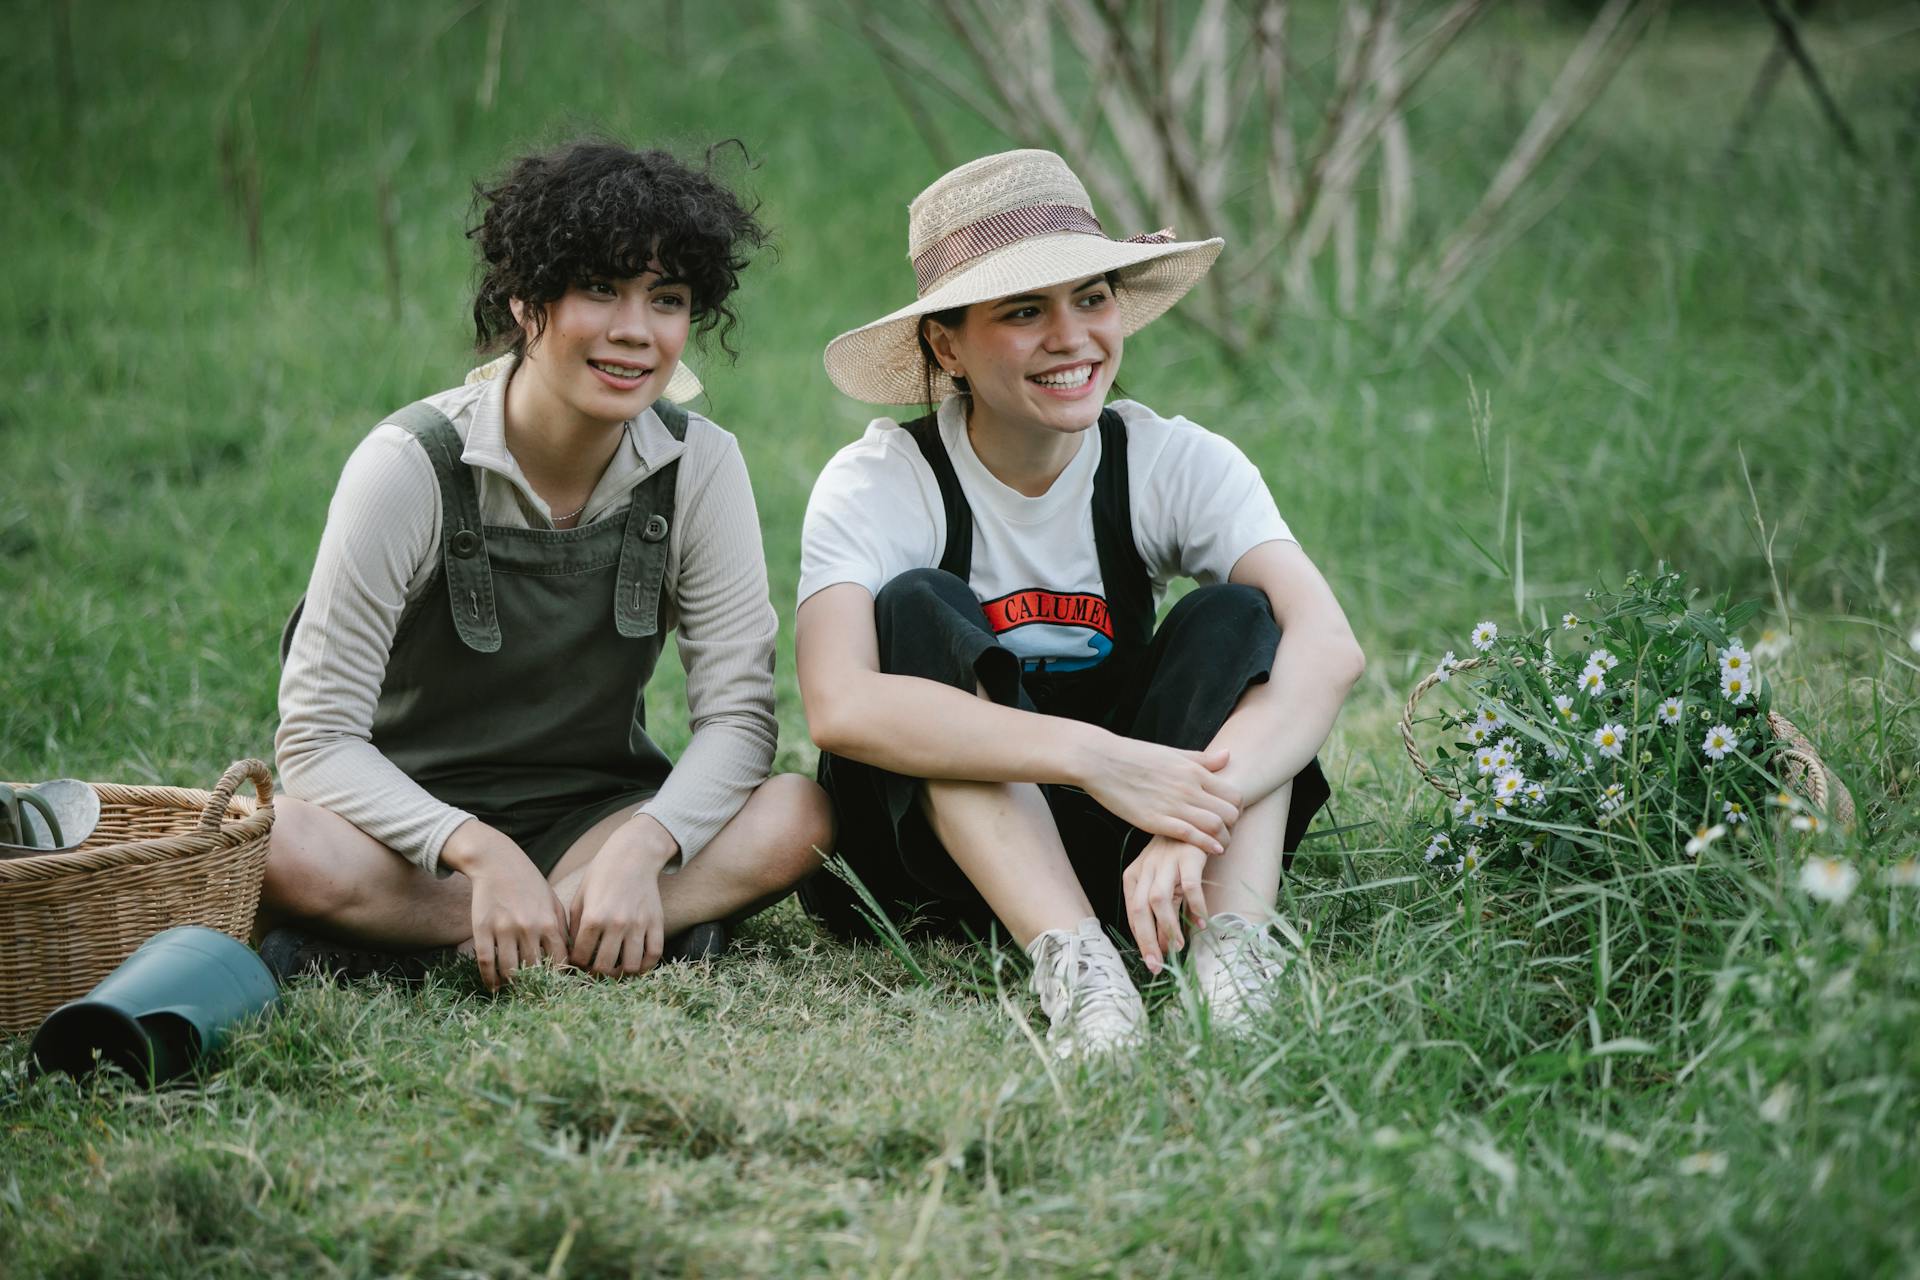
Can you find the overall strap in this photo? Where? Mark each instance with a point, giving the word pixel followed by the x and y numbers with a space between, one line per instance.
pixel 957 557
pixel 463 542
pixel 1123 573
pixel 643 549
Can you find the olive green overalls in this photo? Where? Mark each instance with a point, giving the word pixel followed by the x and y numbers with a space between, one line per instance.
pixel 516 683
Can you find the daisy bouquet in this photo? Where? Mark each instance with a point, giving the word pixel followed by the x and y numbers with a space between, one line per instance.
pixel 1636 726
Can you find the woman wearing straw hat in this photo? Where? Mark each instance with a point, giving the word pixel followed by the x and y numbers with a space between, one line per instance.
pixel 462 732
pixel 1005 735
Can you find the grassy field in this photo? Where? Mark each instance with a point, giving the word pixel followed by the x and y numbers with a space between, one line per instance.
pixel 1450 1087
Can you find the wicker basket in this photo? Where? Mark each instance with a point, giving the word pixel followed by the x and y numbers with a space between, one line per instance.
pixel 161 856
pixel 1802 770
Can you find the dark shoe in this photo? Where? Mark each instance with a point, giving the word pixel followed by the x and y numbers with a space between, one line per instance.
pixel 702 942
pixel 290 952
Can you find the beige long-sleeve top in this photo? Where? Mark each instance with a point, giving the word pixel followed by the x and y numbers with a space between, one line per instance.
pixel 380 550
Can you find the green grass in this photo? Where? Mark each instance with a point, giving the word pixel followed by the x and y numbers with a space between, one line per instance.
pixel 1456 1084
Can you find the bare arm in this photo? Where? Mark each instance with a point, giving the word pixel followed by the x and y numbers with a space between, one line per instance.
pixel 1280 725
pixel 925 729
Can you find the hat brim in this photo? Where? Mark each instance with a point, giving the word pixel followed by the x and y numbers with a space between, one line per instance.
pixel 681 387
pixel 880 362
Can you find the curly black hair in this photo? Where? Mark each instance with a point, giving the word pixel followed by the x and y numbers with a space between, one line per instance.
pixel 595 210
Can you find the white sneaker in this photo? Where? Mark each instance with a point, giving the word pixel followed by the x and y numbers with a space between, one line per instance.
pixel 1236 965
pixel 1083 986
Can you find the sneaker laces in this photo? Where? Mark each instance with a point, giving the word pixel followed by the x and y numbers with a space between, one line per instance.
pixel 1083 985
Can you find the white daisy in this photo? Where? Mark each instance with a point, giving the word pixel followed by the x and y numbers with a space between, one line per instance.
pixel 1502 760
pixel 1440 843
pixel 1733 813
pixel 1536 794
pixel 1613 797
pixel 1809 822
pixel 1444 672
pixel 1492 719
pixel 1904 874
pixel 1593 680
pixel 1484 635
pixel 1464 806
pixel 1829 879
pixel 1569 620
pixel 1478 819
pixel 1719 742
pixel 1602 659
pixel 1704 837
pixel 1478 734
pixel 1510 745
pixel 1564 705
pixel 1735 657
pixel 1483 761
pixel 1735 686
pixel 1468 862
pixel 1670 711
pixel 1611 739
pixel 1784 800
pixel 1771 644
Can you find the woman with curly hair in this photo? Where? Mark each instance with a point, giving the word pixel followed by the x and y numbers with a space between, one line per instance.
pixel 462 733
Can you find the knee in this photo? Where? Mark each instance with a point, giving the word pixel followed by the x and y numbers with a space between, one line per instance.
pixel 1227 611
pixel 300 878
pixel 800 827
pixel 911 598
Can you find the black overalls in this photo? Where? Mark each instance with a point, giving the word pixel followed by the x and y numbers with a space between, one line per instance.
pixel 1176 687
pixel 515 686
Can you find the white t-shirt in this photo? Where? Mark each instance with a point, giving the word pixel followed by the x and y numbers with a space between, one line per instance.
pixel 1198 506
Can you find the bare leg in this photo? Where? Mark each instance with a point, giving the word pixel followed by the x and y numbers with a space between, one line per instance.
pixel 1002 835
pixel 323 870
pixel 1246 878
pixel 776 838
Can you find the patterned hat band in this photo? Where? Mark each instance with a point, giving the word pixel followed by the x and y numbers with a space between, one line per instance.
pixel 957 248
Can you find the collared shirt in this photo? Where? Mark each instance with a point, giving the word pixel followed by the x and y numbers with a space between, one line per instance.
pixel 379 551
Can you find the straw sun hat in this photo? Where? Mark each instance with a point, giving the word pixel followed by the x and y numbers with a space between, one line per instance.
pixel 1001 225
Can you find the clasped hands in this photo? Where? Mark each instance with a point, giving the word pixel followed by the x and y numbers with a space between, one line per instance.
pixel 612 924
pixel 1189 808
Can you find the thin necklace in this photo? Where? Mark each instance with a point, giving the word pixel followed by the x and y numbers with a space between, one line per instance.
pixel 571 514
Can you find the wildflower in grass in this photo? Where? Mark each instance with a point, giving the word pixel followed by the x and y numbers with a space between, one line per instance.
pixel 1440 843
pixel 1593 680
pixel 1602 659
pixel 1479 819
pixel 1555 752
pixel 1536 794
pixel 1502 759
pixel 1704 837
pixel 1808 822
pixel 1490 719
pixel 1510 745
pixel 1484 635
pixel 1735 686
pixel 1704 1164
pixel 1478 734
pixel 1613 797
pixel 1784 800
pixel 1509 787
pixel 1444 671
pixel 1904 874
pixel 1733 813
pixel 1829 879
pixel 1564 705
pixel 1467 863
pixel 1735 658
pixel 1611 739
pixel 1720 741
pixel 1670 711
pixel 1483 761
pixel 1771 644
pixel 1569 620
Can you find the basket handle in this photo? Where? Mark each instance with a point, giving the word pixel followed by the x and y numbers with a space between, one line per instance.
pixel 216 811
pixel 1413 705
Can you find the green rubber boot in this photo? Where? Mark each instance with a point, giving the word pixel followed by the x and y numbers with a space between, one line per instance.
pixel 169 1005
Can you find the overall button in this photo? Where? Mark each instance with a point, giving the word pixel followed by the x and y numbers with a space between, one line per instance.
pixel 656 528
pixel 466 544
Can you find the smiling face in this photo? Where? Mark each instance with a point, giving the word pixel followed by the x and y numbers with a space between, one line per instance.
pixel 1040 361
pixel 608 347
